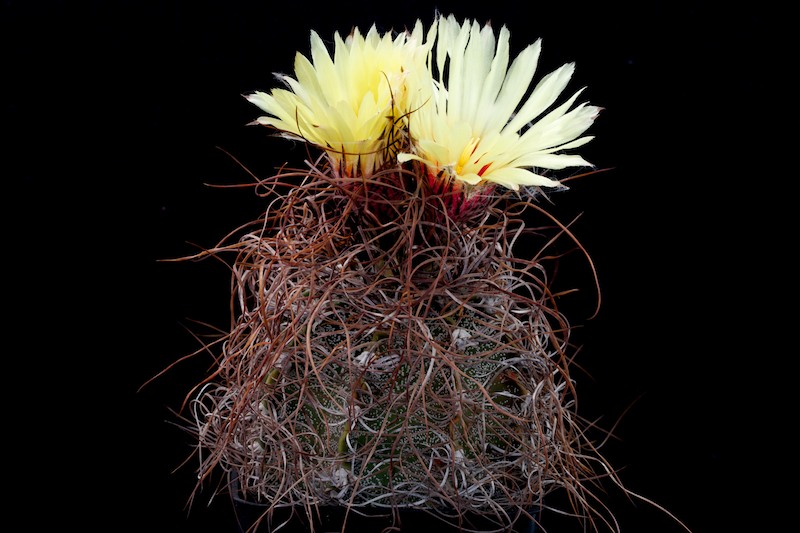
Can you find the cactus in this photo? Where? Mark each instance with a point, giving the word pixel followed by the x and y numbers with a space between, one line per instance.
pixel 390 348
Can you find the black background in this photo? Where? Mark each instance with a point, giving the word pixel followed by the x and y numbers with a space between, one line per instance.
pixel 119 114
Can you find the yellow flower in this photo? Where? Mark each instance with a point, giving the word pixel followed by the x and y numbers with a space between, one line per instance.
pixel 471 124
pixel 348 105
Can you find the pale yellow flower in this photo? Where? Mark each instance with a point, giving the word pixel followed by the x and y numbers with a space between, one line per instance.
pixel 472 124
pixel 348 104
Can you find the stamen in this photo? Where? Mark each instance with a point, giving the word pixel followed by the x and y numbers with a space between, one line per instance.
pixel 466 154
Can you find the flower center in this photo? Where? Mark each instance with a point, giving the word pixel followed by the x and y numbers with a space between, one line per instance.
pixel 466 154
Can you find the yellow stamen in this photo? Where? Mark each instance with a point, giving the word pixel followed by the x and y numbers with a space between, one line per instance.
pixel 466 154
